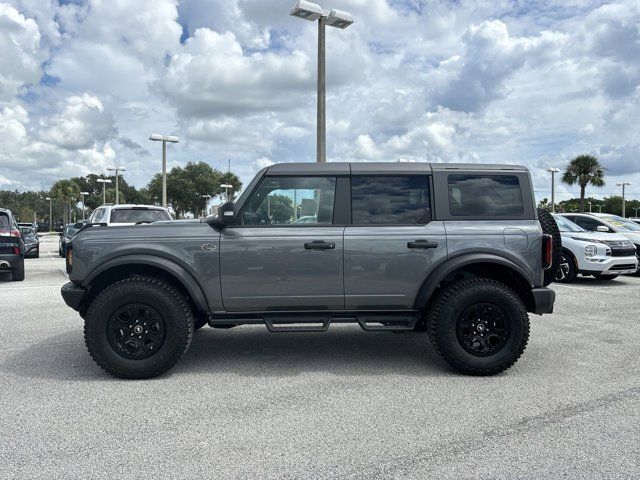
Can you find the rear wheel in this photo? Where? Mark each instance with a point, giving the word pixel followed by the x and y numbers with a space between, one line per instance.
pixel 479 326
pixel 567 270
pixel 38 253
pixel 17 274
pixel 139 327
pixel 550 227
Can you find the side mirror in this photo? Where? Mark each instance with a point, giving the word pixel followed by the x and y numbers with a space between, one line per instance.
pixel 603 229
pixel 60 234
pixel 226 216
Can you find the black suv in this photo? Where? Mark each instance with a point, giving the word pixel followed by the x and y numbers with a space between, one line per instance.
pixel 11 246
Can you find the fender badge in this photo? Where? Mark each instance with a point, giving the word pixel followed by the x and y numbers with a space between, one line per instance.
pixel 208 247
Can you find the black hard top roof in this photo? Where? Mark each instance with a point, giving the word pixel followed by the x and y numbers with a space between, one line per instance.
pixel 344 168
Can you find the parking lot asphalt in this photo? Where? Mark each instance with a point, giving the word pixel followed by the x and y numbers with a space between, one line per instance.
pixel 245 403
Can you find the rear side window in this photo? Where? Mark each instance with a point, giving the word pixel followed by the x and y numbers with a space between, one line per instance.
pixel 4 221
pixel 135 215
pixel 485 196
pixel 390 200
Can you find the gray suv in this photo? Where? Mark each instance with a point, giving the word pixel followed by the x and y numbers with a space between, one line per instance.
pixel 456 250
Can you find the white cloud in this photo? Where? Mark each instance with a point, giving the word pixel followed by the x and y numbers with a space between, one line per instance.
pixel 19 44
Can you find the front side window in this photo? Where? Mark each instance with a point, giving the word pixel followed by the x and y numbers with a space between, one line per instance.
pixel 485 196
pixel 566 225
pixel 590 224
pixel 390 200
pixel 295 201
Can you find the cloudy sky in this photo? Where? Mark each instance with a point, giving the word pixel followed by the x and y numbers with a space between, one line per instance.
pixel 84 83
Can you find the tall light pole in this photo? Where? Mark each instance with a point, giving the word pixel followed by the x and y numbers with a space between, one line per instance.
pixel 206 201
pixel 117 169
pixel 83 194
pixel 104 182
pixel 599 208
pixel 156 137
pixel 50 215
pixel 553 172
pixel 332 18
pixel 226 187
pixel 589 203
pixel 636 209
pixel 623 184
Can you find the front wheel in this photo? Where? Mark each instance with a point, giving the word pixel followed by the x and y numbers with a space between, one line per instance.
pixel 139 327
pixel 567 271
pixel 479 326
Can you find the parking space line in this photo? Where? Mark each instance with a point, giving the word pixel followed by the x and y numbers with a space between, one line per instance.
pixel 588 289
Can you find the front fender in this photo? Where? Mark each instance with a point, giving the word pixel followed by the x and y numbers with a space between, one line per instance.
pixel 173 269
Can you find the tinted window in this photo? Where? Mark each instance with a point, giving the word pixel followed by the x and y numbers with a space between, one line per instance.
pixel 4 221
pixel 566 225
pixel 295 201
pixel 135 215
pixel 485 195
pixel 588 223
pixel 390 200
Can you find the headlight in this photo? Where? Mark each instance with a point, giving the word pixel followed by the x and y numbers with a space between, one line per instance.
pixel 590 251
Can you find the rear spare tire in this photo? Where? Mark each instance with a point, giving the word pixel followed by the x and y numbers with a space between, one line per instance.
pixel 139 327
pixel 550 227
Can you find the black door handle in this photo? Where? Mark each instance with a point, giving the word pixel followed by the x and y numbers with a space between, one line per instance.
pixel 422 244
pixel 319 245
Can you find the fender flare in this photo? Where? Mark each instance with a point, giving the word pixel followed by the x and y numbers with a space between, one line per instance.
pixel 170 267
pixel 450 265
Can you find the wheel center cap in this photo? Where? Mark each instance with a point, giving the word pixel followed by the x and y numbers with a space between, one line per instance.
pixel 137 329
pixel 481 327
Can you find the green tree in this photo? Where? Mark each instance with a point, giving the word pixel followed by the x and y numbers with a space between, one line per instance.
pixel 584 170
pixel 279 208
pixel 68 192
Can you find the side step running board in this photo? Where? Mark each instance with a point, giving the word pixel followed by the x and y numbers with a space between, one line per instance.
pixel 372 323
pixel 298 324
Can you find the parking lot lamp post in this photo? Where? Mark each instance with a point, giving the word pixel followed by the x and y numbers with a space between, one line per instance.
pixel 553 172
pixel 332 18
pixel 83 194
pixel 156 137
pixel 226 187
pixel 636 210
pixel 50 215
pixel 117 169
pixel 623 184
pixel 104 182
pixel 599 208
pixel 206 202
pixel 589 203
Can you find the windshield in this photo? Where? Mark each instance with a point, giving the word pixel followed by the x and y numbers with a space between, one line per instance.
pixel 70 230
pixel 135 215
pixel 621 223
pixel 566 225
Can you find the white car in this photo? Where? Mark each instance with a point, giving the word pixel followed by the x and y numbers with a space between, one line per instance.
pixel 606 222
pixel 117 215
pixel 603 255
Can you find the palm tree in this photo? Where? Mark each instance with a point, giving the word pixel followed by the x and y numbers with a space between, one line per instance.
pixel 584 170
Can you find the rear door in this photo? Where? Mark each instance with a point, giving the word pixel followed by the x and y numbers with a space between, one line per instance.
pixel 392 243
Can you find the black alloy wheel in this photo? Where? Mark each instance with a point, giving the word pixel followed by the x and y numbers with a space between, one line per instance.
pixel 482 329
pixel 136 331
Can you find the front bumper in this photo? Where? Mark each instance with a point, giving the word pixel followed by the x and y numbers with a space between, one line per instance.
pixel 31 248
pixel 543 300
pixel 611 266
pixel 72 295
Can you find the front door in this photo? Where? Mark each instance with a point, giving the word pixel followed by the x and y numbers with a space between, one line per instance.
pixel 285 254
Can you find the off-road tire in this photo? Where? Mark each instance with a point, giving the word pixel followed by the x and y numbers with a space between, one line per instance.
pixel 572 272
pixel 167 301
pixel 550 227
pixel 604 277
pixel 17 274
pixel 448 306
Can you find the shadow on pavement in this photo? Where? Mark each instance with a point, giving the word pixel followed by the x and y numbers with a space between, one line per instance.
pixel 251 352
